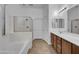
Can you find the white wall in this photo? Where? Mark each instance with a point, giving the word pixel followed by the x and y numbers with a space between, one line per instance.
pixel 46 34
pixel 39 16
pixel 1 20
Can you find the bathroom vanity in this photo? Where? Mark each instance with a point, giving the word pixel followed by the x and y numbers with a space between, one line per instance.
pixel 63 44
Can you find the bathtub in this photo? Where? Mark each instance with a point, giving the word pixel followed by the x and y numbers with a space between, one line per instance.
pixel 17 43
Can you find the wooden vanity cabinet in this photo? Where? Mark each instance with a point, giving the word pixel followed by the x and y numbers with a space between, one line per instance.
pixel 75 49
pixel 63 46
pixel 52 39
pixel 59 45
pixel 55 41
pixel 66 47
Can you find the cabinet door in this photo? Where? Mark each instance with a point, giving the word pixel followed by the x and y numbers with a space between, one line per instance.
pixel 52 39
pixel 75 49
pixel 55 42
pixel 59 43
pixel 66 47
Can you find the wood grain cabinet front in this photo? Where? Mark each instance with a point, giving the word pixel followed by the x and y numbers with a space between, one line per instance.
pixel 52 39
pixel 63 46
pixel 75 49
pixel 55 42
pixel 59 45
pixel 66 47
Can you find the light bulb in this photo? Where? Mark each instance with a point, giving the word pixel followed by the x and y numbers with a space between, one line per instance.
pixel 55 13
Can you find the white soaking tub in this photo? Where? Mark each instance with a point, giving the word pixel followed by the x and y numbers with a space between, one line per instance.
pixel 17 43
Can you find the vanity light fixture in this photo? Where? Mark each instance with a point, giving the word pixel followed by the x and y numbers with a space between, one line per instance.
pixel 55 13
pixel 63 9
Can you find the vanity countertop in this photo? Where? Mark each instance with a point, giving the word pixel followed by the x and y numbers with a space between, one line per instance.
pixel 73 38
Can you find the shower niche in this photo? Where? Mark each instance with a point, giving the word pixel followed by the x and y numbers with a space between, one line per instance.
pixel 22 24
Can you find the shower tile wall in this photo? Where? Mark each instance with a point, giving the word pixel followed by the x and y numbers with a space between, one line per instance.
pixel 22 24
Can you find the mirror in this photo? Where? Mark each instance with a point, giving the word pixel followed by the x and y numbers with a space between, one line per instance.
pixel 73 20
